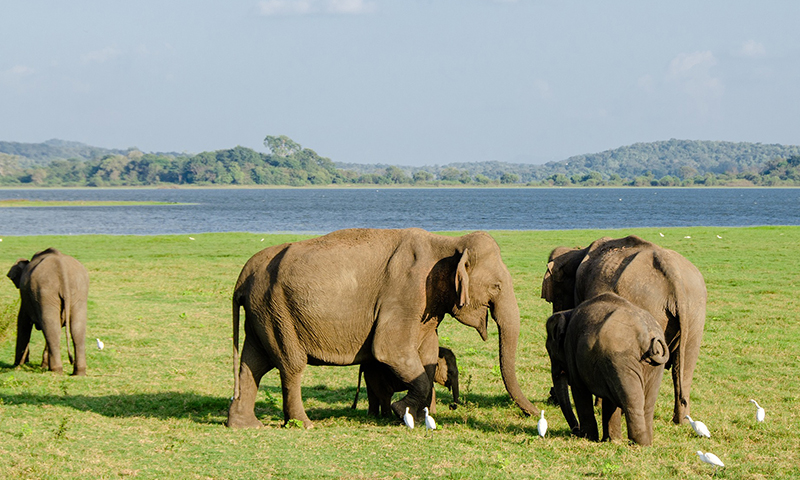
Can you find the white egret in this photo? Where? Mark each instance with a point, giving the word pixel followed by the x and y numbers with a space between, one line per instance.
pixel 430 423
pixel 760 413
pixel 688 236
pixel 699 427
pixel 100 344
pixel 661 234
pixel 718 236
pixel 408 419
pixel 191 238
pixel 711 459
pixel 542 425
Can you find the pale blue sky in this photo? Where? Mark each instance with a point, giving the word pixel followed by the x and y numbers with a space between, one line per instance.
pixel 405 82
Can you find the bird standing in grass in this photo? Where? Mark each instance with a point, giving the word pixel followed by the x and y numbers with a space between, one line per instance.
pixel 100 344
pixel 699 427
pixel 408 419
pixel 542 425
pixel 760 413
pixel 711 459
pixel 430 423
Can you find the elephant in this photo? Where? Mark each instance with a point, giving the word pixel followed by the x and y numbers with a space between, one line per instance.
pixel 607 347
pixel 382 384
pixel 53 289
pixel 656 279
pixel 364 295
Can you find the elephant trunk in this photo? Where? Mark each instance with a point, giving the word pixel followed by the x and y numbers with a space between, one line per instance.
pixel 657 353
pixel 561 388
pixel 506 314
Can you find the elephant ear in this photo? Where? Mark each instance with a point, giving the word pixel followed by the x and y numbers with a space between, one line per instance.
pixel 462 279
pixel 547 283
pixel 15 273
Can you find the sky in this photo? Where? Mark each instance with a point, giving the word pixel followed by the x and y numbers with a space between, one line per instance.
pixel 402 82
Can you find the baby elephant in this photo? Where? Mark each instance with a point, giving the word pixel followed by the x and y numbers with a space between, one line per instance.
pixel 382 383
pixel 53 289
pixel 610 348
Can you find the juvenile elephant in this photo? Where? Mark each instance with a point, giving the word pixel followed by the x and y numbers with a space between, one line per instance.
pixel 365 295
pixel 53 289
pixel 610 348
pixel 656 279
pixel 382 384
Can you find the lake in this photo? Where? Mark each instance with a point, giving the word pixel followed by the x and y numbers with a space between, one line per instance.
pixel 446 209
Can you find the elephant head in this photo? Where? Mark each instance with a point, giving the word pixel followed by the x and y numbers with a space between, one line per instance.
pixel 558 285
pixel 16 271
pixel 556 332
pixel 482 285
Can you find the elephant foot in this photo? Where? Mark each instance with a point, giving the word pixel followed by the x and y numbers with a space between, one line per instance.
pixel 57 371
pixel 238 417
pixel 453 406
pixel 79 373
pixel 239 422
pixel 307 424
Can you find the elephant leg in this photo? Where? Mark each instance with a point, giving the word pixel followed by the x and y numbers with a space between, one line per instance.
pixel 407 365
pixel 291 381
pixel 585 408
pixel 683 372
pixel 653 377
pixel 78 332
pixel 432 406
pixel 632 403
pixel 24 327
pixel 612 421
pixel 254 365
pixel 51 327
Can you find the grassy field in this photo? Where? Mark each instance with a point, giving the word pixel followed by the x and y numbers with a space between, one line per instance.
pixel 155 399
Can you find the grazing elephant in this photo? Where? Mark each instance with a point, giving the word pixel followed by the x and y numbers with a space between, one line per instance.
pixel 53 289
pixel 656 279
pixel 382 384
pixel 365 295
pixel 607 347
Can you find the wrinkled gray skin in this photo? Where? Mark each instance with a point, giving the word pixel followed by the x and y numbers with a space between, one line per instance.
pixel 610 348
pixel 656 279
pixel 53 290
pixel 365 295
pixel 382 384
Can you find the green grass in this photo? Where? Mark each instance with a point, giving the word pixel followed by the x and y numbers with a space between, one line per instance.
pixel 76 203
pixel 155 399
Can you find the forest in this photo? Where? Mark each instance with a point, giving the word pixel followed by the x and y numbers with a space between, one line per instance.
pixel 58 163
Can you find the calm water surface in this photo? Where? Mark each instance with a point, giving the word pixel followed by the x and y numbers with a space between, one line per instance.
pixel 325 210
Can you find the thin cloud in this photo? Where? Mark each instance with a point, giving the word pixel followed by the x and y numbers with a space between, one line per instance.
pixel 692 73
pixel 752 49
pixel 20 70
pixel 311 7
pixel 101 56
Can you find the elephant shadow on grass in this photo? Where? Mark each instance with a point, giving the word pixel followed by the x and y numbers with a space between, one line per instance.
pixel 323 403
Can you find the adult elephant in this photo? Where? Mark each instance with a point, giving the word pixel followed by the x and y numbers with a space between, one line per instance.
pixel 363 295
pixel 610 348
pixel 53 290
pixel 656 279
pixel 382 384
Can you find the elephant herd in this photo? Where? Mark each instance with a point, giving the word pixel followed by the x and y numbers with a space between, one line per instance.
pixel 623 310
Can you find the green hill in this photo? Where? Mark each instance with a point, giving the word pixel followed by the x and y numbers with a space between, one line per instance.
pixel 664 163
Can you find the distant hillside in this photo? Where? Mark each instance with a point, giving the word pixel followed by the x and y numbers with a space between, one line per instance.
pixel 44 153
pixel 666 163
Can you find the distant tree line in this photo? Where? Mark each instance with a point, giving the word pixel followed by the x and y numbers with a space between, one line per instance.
pixel 288 163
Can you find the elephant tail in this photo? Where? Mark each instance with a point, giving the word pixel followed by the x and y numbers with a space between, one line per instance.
pixel 235 322
pixel 358 387
pixel 658 353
